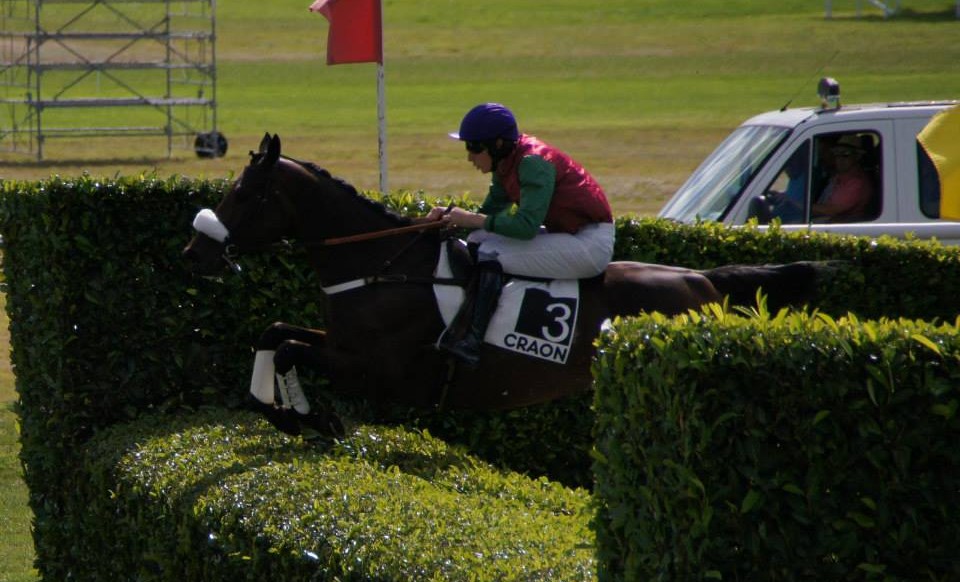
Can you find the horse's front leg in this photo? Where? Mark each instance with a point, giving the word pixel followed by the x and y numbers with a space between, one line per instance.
pixel 280 348
pixel 278 351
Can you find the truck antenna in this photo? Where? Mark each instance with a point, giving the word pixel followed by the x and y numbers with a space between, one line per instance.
pixel 815 73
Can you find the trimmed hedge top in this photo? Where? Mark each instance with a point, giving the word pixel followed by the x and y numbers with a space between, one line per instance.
pixel 233 499
pixel 785 447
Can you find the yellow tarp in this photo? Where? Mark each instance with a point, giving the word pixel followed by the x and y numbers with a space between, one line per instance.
pixel 941 139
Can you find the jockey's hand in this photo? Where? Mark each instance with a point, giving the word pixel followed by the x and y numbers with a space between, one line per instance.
pixel 436 213
pixel 459 217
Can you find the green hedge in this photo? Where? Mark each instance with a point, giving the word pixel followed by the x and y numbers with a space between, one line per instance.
pixel 106 324
pixel 887 277
pixel 223 496
pixel 795 447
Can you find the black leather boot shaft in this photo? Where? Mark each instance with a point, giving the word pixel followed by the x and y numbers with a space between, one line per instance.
pixel 489 286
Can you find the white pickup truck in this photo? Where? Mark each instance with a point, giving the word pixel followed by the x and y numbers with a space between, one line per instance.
pixel 777 166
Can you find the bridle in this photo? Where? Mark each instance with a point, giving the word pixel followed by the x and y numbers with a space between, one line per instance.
pixel 208 223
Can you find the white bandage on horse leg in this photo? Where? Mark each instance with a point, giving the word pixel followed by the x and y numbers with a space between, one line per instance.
pixel 292 392
pixel 261 381
pixel 282 389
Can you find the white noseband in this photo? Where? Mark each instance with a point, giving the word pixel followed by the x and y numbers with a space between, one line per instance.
pixel 206 222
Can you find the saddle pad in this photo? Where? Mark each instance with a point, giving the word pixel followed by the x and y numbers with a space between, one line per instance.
pixel 534 318
pixel 449 297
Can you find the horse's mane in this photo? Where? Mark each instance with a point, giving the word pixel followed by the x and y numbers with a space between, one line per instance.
pixel 378 207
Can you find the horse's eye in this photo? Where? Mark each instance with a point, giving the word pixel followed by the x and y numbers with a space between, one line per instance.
pixel 241 193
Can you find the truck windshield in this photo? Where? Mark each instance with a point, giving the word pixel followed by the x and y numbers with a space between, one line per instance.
pixel 720 179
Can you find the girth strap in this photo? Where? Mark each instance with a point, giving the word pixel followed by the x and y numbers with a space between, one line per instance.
pixel 364 281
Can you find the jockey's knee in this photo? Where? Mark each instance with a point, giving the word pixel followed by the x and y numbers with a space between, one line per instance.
pixel 273 336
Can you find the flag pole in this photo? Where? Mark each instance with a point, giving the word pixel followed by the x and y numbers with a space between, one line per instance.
pixel 355 35
pixel 382 127
pixel 381 109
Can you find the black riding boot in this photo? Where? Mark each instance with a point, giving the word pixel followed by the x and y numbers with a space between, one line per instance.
pixel 489 285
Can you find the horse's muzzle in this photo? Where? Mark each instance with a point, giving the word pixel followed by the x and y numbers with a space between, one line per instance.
pixel 205 256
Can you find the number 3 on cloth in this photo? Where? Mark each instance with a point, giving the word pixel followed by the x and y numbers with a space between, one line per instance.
pixel 561 321
pixel 547 317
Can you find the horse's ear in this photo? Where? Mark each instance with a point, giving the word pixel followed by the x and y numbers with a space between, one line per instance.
pixel 264 143
pixel 272 151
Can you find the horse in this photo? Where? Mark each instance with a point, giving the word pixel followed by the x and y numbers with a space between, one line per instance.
pixel 378 270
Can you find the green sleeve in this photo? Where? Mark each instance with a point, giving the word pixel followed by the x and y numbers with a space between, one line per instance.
pixel 537 181
pixel 496 200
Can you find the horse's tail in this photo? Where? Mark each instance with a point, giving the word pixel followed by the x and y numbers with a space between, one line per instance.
pixel 790 284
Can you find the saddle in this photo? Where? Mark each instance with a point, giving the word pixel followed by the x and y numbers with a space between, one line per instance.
pixel 462 258
pixel 535 317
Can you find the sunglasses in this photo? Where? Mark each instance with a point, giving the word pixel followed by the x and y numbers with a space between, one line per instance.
pixel 475 147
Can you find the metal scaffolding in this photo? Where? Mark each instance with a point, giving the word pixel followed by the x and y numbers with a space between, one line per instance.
pixel 94 68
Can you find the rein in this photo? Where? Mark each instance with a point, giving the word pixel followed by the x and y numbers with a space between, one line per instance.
pixel 234 251
pixel 231 252
pixel 375 234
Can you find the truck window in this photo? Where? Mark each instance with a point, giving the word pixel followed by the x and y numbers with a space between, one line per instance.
pixel 846 177
pixel 928 184
pixel 716 185
pixel 786 197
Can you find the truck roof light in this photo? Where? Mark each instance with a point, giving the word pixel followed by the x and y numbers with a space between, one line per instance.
pixel 829 92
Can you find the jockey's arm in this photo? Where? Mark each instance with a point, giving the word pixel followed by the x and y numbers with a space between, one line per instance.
pixel 522 221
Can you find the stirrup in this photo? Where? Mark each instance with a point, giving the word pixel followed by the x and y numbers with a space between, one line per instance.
pixel 466 350
pixel 447 339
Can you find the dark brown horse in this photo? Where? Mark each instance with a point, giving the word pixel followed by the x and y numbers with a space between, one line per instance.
pixel 382 318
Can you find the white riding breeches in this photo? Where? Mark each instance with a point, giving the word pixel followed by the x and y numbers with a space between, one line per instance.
pixel 551 255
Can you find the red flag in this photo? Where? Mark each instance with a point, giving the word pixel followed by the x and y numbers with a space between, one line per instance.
pixel 356 30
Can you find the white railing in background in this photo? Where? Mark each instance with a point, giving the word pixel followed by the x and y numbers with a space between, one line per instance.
pixel 889 8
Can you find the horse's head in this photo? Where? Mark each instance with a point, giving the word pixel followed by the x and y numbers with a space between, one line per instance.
pixel 253 214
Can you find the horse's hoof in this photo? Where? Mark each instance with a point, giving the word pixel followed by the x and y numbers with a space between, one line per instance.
pixel 321 425
pixel 309 426
pixel 282 419
pixel 285 421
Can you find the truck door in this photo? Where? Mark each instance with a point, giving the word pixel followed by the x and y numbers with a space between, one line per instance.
pixel 847 177
pixel 856 199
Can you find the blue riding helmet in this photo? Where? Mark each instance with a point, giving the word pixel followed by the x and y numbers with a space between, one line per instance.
pixel 487 122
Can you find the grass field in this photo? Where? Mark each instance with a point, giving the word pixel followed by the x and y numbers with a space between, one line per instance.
pixel 638 90
pixel 16 548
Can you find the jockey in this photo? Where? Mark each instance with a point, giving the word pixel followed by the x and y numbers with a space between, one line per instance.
pixel 544 216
